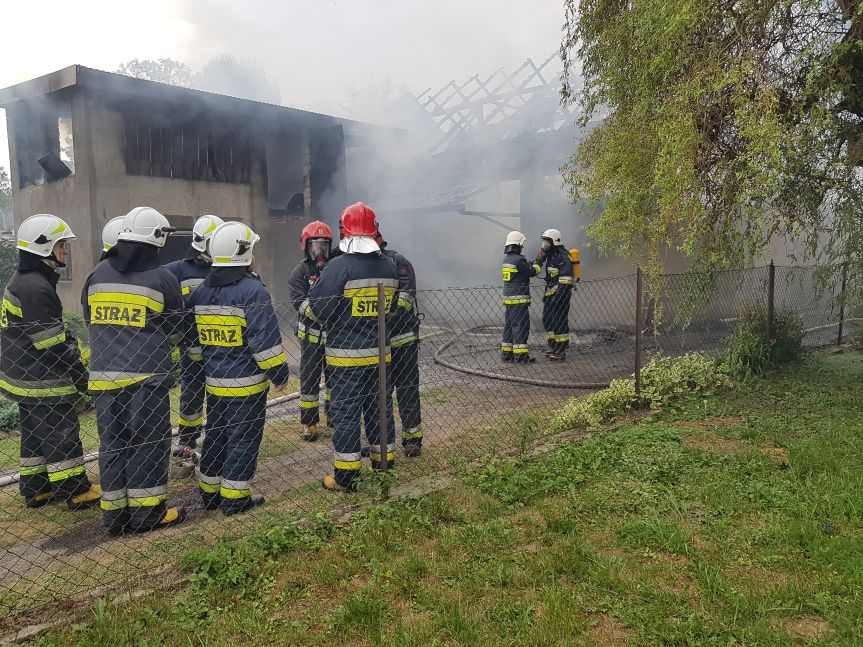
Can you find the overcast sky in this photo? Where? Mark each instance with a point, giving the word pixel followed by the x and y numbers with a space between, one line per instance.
pixel 315 50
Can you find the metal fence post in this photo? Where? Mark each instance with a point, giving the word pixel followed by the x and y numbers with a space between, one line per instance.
pixel 382 377
pixel 638 327
pixel 842 303
pixel 771 280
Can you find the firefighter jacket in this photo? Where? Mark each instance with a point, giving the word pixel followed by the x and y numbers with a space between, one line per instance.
pixel 134 310
pixel 403 321
pixel 517 273
pixel 190 272
pixel 236 327
pixel 558 272
pixel 345 302
pixel 39 358
pixel 304 276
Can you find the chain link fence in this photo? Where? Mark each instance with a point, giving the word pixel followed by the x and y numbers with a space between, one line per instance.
pixel 472 405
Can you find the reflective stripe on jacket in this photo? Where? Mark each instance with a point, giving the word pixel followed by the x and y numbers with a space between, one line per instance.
pixel 39 358
pixel 236 327
pixel 344 301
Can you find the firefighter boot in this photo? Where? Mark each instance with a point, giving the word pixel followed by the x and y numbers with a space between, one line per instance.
pixel 39 500
pixel 557 356
pixel 172 517
pixel 524 359
pixel 251 501
pixel 86 499
pixel 412 448
pixel 310 433
pixel 329 482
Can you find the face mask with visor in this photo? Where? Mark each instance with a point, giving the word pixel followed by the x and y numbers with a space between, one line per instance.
pixel 318 248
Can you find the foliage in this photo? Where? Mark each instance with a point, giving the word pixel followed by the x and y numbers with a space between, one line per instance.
pixel 76 325
pixel 9 416
pixel 695 527
pixel 663 380
pixel 714 126
pixel 750 352
pixel 227 75
pixel 163 70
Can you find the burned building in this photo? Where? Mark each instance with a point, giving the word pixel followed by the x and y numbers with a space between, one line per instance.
pixel 89 145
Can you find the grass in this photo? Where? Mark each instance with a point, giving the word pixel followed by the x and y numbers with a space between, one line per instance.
pixel 732 519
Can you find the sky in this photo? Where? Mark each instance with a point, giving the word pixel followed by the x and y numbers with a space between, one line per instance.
pixel 321 53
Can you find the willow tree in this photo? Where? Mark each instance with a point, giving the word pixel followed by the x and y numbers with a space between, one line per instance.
pixel 717 125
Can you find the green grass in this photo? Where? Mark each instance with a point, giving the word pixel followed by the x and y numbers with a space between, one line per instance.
pixel 731 519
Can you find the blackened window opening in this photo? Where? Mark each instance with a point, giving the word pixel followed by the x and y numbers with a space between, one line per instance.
pixel 204 147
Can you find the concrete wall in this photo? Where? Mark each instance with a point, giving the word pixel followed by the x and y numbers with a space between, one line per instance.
pixel 101 190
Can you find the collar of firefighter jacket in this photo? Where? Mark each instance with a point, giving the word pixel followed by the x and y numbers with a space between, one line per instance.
pixel 359 245
pixel 28 262
pixel 221 276
pixel 197 256
pixel 132 256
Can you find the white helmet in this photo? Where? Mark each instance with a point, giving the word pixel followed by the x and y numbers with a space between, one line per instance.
pixel 203 229
pixel 515 238
pixel 553 235
pixel 38 234
pixel 232 244
pixel 145 225
pixel 110 232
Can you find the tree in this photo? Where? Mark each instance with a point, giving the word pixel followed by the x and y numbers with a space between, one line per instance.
pixel 226 75
pixel 163 70
pixel 719 124
pixel 8 253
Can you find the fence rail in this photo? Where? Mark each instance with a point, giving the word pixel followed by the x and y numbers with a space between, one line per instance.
pixel 472 404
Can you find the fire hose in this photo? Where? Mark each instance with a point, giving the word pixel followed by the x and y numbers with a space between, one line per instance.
pixel 506 378
pixel 11 479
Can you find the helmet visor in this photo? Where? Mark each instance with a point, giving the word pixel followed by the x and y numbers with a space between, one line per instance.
pixel 546 244
pixel 318 248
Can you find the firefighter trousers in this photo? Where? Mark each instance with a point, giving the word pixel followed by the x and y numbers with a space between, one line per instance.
pixel 134 451
pixel 555 320
pixel 354 401
pixel 406 384
pixel 52 458
pixel 516 329
pixel 192 384
pixel 229 457
pixel 312 364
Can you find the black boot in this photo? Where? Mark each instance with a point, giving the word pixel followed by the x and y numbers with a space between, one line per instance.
pixel 412 448
pixel 524 359
pixel 249 502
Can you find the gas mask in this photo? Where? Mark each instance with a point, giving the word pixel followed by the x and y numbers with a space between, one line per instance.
pixel 546 245
pixel 318 250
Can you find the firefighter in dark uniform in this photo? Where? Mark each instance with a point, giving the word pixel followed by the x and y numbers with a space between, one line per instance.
pixel 404 330
pixel 517 273
pixel 236 327
pixel 134 307
pixel 41 369
pixel 559 284
pixel 191 272
pixel 315 242
pixel 345 302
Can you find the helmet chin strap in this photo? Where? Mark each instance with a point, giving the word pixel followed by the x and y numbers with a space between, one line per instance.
pixel 204 256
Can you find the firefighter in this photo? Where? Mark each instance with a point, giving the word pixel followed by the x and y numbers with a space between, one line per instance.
pixel 315 242
pixel 41 369
pixel 236 327
pixel 517 273
pixel 559 284
pixel 109 234
pixel 134 310
pixel 191 272
pixel 344 301
pixel 404 329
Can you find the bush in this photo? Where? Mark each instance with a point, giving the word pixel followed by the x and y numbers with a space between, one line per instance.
pixel 9 417
pixel 76 325
pixel 750 352
pixel 663 379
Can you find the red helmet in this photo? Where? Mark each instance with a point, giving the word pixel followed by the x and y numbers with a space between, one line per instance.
pixel 358 220
pixel 316 229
